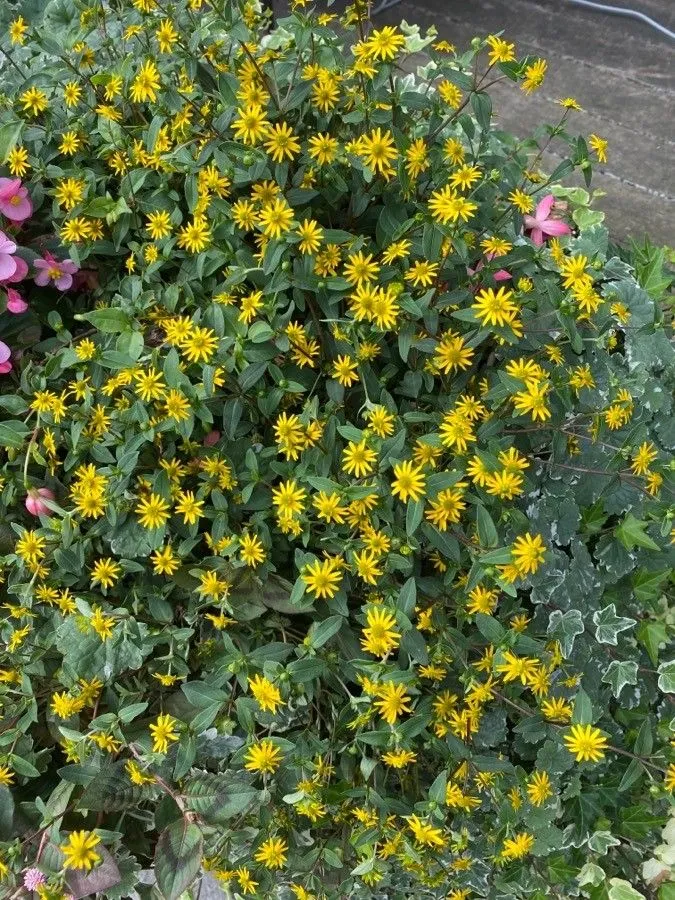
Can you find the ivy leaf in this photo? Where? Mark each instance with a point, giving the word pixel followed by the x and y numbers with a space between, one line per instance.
pixel 652 635
pixel 601 841
pixel 622 890
pixel 667 677
pixel 608 625
pixel 631 533
pixel 620 673
pixel 177 858
pixel 565 627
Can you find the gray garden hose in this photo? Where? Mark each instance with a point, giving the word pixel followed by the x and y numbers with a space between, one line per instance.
pixel 625 11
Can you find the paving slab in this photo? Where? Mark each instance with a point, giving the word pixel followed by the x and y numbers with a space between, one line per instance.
pixel 620 70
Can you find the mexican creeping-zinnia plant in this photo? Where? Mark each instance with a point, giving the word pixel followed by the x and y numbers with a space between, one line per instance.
pixel 336 473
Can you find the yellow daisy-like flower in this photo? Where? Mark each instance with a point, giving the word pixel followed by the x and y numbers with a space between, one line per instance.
pixel 79 850
pixel 586 743
pixel 163 733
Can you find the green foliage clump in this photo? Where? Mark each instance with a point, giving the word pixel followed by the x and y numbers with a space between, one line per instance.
pixel 337 490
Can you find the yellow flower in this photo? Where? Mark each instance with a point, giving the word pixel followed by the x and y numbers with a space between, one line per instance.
pixel 518 846
pixel 539 788
pixel 17 161
pixel 323 579
pixel 159 224
pixel 166 36
pixel 522 201
pixel 528 553
pixel 446 205
pixel 192 510
pixel 199 345
pixel 600 146
pixel 251 549
pixel 345 371
pixel 153 511
pixel 275 218
pixel 534 76
pixel 17 31
pixel 266 693
pixel 34 101
pixel 311 235
pixel 272 853
pixel 164 561
pixel 323 148
pixel 251 124
pixel 163 732
pixel 393 700
pixel 495 307
pixel 424 833
pixel 586 743
pixel 398 759
pixel 384 43
pixel 409 482
pixel 379 636
pixel 102 624
pixel 195 236
pixel 263 757
pixel 105 572
pixel 146 83
pixel 79 850
pixel 358 459
pixel 532 400
pixel 422 273
pixel 6 776
pixel 281 143
pixel 378 150
pixel 643 457
pixel 500 50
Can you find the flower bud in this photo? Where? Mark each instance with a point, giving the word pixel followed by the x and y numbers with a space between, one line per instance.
pixel 35 501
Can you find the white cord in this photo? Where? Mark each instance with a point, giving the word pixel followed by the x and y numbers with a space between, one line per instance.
pixel 626 11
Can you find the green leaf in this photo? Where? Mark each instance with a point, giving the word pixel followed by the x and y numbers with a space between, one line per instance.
pixel 667 677
pixel 647 584
pixel 609 625
pixel 407 597
pixel 619 673
pixel 583 709
pixel 178 857
pixel 413 516
pixel 6 813
pixel 634 771
pixel 13 433
pixel 217 798
pixel 622 890
pixel 637 822
pixel 565 627
pixel 321 632
pixel 652 635
pixel 487 533
pixel 10 134
pixel 631 533
pixel 108 320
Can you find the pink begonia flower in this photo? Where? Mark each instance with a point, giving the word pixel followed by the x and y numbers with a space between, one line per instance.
pixel 7 260
pixel 60 272
pixel 542 225
pixel 15 204
pixel 32 878
pixel 5 363
pixel 15 302
pixel 211 438
pixel 35 501
pixel 19 273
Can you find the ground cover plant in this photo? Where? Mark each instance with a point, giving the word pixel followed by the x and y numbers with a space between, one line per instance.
pixel 337 487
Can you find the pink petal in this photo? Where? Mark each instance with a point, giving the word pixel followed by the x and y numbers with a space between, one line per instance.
pixel 7 266
pixel 544 207
pixel 555 227
pixel 537 237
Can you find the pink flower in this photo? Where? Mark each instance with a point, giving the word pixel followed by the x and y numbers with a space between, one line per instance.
pixel 211 438
pixel 542 225
pixel 499 275
pixel 35 501
pixel 19 273
pixel 32 878
pixel 7 261
pixel 5 363
pixel 15 302
pixel 60 272
pixel 15 203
